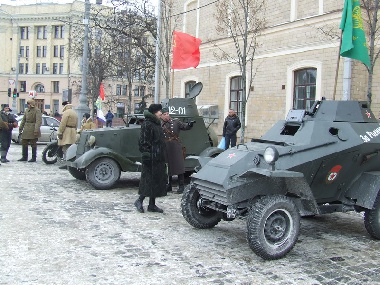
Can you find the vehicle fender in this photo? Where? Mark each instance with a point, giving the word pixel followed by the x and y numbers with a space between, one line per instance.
pixel 365 189
pixel 71 152
pixel 89 156
pixel 206 155
pixel 284 182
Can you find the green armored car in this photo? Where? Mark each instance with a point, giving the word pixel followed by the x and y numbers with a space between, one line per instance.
pixel 102 154
pixel 315 162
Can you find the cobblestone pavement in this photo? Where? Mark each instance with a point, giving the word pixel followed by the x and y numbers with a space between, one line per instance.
pixel 55 229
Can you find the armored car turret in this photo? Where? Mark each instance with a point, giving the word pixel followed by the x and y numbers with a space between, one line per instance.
pixel 319 161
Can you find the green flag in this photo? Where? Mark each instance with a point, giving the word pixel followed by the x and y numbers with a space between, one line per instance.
pixel 354 44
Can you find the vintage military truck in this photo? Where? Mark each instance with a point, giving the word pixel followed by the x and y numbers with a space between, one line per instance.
pixel 102 154
pixel 319 161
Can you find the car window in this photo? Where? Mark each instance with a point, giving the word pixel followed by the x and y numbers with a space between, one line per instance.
pixel 53 121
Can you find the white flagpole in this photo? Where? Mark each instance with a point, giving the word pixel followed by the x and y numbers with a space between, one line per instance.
pixel 158 55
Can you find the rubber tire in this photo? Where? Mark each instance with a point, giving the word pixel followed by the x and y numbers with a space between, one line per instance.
pixel 372 219
pixel 103 173
pixel 45 153
pixel 200 218
pixel 79 174
pixel 277 208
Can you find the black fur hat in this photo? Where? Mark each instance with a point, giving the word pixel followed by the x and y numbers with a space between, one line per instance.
pixel 154 108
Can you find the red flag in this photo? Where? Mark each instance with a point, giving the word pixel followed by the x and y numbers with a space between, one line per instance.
pixel 101 91
pixel 185 51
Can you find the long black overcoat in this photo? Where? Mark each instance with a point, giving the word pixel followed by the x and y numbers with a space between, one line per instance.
pixel 152 147
pixel 174 155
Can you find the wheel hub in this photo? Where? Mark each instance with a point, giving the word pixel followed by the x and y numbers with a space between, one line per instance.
pixel 276 227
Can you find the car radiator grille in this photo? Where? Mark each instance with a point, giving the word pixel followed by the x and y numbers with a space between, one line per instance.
pixel 212 191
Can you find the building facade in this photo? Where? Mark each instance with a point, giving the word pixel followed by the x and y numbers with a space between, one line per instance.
pixel 35 44
pixel 295 63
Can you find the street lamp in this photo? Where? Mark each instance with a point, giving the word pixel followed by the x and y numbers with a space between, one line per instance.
pixel 15 90
pixel 83 103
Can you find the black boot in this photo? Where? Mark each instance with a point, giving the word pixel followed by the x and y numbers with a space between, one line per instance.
pixel 169 185
pixel 34 154
pixel 181 183
pixel 152 206
pixel 24 153
pixel 4 156
pixel 139 204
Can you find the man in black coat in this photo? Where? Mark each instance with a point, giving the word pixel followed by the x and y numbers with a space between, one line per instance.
pixel 231 126
pixel 10 122
pixel 152 147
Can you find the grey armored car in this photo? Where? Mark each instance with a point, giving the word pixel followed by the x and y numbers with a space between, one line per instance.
pixel 315 162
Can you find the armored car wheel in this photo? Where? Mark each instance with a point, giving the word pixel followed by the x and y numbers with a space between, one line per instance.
pixel 273 226
pixel 194 213
pixel 372 219
pixel 79 174
pixel 103 173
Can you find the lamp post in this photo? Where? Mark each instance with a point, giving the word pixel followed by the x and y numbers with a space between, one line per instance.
pixel 158 55
pixel 83 102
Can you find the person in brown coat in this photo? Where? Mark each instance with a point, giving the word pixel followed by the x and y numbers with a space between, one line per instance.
pixel 30 130
pixel 87 123
pixel 174 152
pixel 67 131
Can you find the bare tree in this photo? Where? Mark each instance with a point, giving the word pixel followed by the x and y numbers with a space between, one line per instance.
pixel 242 21
pixel 100 58
pixel 371 9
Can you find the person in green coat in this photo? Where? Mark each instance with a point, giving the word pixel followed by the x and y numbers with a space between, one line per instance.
pixel 152 147
pixel 30 130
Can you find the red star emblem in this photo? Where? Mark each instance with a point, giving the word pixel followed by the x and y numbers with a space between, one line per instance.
pixel 368 114
pixel 231 155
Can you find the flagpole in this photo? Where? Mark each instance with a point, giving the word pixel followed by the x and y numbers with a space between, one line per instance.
pixel 337 65
pixel 171 96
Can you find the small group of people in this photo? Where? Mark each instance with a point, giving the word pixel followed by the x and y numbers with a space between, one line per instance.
pixel 162 153
pixel 162 156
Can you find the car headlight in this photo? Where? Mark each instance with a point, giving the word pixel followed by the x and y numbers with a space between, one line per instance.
pixel 91 141
pixel 271 154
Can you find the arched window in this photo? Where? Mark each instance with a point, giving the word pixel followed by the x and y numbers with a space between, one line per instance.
pixel 236 94
pixel 188 86
pixel 304 88
pixel 39 88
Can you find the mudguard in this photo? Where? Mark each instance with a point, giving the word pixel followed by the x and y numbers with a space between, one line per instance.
pixel 89 156
pixel 365 189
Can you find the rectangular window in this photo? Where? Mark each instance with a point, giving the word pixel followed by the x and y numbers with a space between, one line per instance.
pixel 24 33
pixel 61 51
pixel 44 68
pixel 142 91
pixel 118 90
pixel 26 68
pixel 39 51
pixel 45 33
pixel 38 68
pixel 40 32
pixel 59 32
pixel 22 86
pixel 56 86
pixel 136 91
pixel 55 51
pixel 61 68
pixel 21 68
pixel 22 51
pixel 236 93
pixel 55 68
pixel 124 90
pixel 44 51
pixel 27 51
